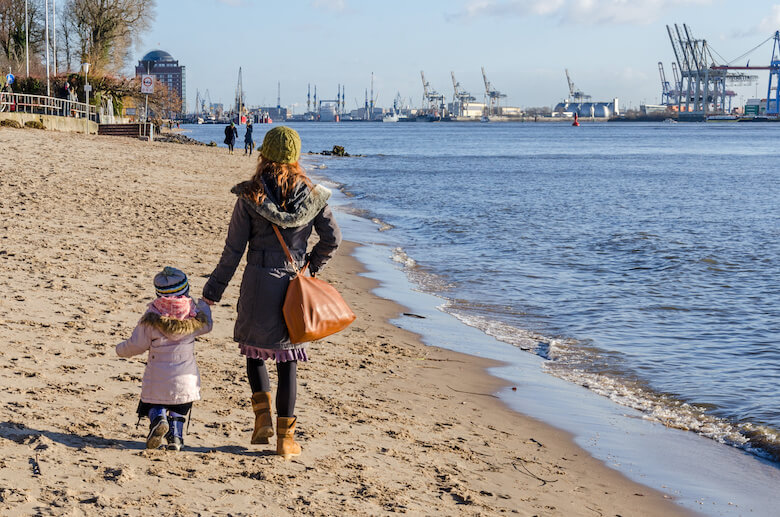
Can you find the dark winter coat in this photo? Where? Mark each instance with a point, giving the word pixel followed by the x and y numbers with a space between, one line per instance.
pixel 260 321
pixel 248 135
pixel 231 133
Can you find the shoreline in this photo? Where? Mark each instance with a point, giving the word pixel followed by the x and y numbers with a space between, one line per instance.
pixel 90 221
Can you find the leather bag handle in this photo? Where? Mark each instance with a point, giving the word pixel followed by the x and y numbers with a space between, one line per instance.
pixel 287 252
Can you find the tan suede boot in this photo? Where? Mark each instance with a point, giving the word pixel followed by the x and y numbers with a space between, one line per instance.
pixel 286 446
pixel 261 405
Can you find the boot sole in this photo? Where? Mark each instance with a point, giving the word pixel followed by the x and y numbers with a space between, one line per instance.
pixel 157 434
pixel 261 435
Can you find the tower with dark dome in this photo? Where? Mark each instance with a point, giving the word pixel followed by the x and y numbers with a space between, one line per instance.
pixel 166 69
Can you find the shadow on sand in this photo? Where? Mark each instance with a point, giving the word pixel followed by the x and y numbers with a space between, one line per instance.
pixel 20 433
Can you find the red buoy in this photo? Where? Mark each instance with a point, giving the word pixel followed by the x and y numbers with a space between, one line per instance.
pixel 576 122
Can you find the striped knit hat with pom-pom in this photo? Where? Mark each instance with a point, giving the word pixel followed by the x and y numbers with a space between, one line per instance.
pixel 171 282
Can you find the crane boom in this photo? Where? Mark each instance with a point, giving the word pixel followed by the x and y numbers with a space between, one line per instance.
pixel 571 84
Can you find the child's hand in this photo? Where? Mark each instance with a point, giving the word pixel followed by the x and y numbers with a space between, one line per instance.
pixel 209 302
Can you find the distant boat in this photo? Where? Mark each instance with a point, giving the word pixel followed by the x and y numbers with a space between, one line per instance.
pixel 670 121
pixel 484 118
pixel 200 120
pixel 391 116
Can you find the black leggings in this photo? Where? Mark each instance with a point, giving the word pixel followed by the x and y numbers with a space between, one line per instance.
pixel 286 391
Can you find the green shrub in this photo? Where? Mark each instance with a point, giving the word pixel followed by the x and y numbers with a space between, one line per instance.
pixel 10 123
pixel 34 124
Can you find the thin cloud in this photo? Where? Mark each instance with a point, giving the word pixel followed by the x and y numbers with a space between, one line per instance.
pixel 590 12
pixel 232 3
pixel 768 25
pixel 338 6
pixel 771 22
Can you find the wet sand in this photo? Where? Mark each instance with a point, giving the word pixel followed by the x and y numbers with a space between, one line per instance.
pixel 386 423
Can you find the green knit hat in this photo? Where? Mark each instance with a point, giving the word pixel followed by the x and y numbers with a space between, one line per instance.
pixel 281 145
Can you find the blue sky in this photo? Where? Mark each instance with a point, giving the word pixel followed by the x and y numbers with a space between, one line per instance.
pixel 611 47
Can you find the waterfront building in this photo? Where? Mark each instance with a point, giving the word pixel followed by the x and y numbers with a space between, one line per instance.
pixel 167 71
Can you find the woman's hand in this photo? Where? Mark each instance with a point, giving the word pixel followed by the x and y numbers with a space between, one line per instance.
pixel 208 302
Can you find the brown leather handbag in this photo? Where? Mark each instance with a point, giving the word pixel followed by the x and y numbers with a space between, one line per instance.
pixel 313 309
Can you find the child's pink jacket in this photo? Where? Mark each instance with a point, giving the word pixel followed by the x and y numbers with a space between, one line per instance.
pixel 171 375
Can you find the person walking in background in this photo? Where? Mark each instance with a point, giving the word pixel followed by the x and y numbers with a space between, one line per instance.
pixel 249 143
pixel 171 380
pixel 231 133
pixel 278 195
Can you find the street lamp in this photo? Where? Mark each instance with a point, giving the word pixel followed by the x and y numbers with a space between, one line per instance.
pixel 87 89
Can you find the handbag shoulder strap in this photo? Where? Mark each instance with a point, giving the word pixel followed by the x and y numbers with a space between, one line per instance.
pixel 287 251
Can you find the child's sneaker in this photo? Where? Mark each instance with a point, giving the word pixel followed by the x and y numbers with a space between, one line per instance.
pixel 175 435
pixel 157 428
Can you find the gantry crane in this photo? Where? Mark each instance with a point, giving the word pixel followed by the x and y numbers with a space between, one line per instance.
pixel 461 97
pixel 666 96
pixel 575 95
pixel 433 99
pixel 702 90
pixel 492 96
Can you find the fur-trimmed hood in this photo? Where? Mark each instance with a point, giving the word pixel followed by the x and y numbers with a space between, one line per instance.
pixel 173 327
pixel 306 210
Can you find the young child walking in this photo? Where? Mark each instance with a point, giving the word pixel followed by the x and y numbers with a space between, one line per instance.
pixel 171 380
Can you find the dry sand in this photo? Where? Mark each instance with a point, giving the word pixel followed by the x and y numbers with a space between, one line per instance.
pixel 86 222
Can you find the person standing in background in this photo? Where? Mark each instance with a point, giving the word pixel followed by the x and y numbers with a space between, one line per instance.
pixel 231 133
pixel 249 143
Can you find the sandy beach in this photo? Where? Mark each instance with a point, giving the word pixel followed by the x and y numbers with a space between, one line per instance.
pixel 86 223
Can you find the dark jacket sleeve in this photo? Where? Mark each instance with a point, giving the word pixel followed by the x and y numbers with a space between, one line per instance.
pixel 329 235
pixel 235 244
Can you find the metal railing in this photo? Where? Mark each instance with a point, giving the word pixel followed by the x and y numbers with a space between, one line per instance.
pixel 42 105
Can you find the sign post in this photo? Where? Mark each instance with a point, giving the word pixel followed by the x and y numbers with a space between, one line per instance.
pixel 147 87
pixel 87 89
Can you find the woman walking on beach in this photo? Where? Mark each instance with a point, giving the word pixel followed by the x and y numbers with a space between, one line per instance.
pixel 249 143
pixel 231 133
pixel 278 195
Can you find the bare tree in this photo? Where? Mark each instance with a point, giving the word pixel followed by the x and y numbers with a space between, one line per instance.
pixel 12 33
pixel 106 30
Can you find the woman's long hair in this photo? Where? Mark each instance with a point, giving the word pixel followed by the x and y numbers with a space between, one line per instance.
pixel 286 175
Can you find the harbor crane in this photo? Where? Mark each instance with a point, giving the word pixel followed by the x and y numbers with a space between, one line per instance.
pixel 702 89
pixel 773 91
pixel 676 74
pixel 202 103
pixel 492 96
pixel 431 97
pixel 667 94
pixel 461 97
pixel 575 95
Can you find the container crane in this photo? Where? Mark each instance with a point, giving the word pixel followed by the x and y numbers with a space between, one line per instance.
pixel 773 89
pixel 493 97
pixel 702 88
pixel 461 97
pixel 575 95
pixel 431 97
pixel 666 96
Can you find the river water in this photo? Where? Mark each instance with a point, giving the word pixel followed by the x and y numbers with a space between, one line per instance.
pixel 639 260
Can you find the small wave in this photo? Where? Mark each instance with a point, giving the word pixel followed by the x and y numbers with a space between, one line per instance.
pixel 383 226
pixel 574 361
pixel 759 440
pixel 400 256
